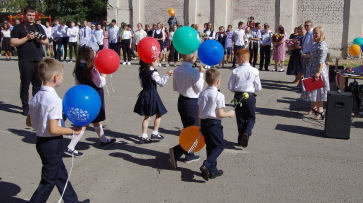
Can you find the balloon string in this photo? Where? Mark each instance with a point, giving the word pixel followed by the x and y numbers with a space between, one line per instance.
pixel 107 91
pixel 68 175
pixel 111 85
pixel 195 143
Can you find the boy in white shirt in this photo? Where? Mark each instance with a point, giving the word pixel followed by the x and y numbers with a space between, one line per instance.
pixel 99 36
pixel 245 79
pixel 210 111
pixel 45 116
pixel 72 33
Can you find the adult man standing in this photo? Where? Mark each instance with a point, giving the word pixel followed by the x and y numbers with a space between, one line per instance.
pixel 255 38
pixel 72 33
pixel 238 38
pixel 112 36
pixel 307 43
pixel 55 37
pixel 30 53
pixel 265 50
pixel 84 34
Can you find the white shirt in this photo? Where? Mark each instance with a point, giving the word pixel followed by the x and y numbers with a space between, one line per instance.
pixel 139 35
pixel 62 32
pixel 210 100
pixel 171 35
pixel 256 34
pixel 44 106
pixel 187 81
pixel 238 37
pixel 308 42
pixel 54 31
pixel 99 35
pixel 158 32
pixel 97 79
pixel 44 28
pixel 48 31
pixel 112 34
pixel 266 37
pixel 247 40
pixel 72 33
pixel 245 79
pixel 126 35
pixel 85 33
pixel 6 33
pixel 208 34
pixel 156 77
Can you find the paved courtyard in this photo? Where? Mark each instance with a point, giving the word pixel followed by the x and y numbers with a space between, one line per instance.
pixel 288 158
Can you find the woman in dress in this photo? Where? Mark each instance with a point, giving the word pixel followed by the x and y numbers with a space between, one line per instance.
pixel 295 66
pixel 317 68
pixel 50 38
pixel 105 39
pixel 279 49
pixel 229 42
pixel 5 37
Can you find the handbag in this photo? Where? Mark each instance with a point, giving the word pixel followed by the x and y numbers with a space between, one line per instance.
pixel 310 84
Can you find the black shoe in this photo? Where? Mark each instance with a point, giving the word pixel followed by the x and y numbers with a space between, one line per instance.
pixel 85 201
pixel 108 143
pixel 234 66
pixel 159 137
pixel 267 70
pixel 205 172
pixel 194 158
pixel 145 140
pixel 25 112
pixel 172 158
pixel 260 69
pixel 216 174
pixel 244 142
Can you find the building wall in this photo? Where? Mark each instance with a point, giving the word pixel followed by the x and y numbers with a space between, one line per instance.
pixel 157 11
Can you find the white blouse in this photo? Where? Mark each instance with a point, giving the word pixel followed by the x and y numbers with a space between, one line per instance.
pixel 6 33
pixel 127 34
pixel 156 77
pixel 139 35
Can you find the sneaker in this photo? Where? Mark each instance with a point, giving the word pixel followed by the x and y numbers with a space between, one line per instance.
pixel 159 137
pixel 128 63
pixel 145 140
pixel 159 64
pixel 172 158
pixel 194 158
pixel 167 65
pixel 124 63
pixel 108 143
pixel 163 60
pixel 70 61
pixel 74 152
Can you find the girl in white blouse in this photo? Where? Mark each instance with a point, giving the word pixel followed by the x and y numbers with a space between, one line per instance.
pixel 159 35
pixel 126 44
pixel 5 45
pixel 139 35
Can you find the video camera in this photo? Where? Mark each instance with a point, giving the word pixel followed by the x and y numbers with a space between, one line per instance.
pixel 38 34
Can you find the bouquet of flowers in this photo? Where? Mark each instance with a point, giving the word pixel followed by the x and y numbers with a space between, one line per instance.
pixel 293 42
pixel 204 35
pixel 277 37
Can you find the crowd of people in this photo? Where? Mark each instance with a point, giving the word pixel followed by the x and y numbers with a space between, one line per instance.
pixel 195 106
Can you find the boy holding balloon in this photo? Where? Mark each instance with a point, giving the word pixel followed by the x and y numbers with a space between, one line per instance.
pixel 210 111
pixel 45 116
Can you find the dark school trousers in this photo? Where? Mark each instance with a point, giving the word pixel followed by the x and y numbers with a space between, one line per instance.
pixel 64 43
pixel 245 115
pixel 54 172
pixel 72 46
pixel 253 52
pixel 113 46
pixel 126 49
pixel 173 54
pixel 213 136
pixel 235 50
pixel 188 111
pixel 58 44
pixel 265 54
pixel 100 47
pixel 28 74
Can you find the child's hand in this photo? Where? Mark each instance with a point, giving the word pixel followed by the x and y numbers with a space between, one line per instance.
pixel 201 69
pixel 77 130
pixel 170 72
pixel 231 113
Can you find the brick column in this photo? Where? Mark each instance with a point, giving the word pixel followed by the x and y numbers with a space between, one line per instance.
pixel 287 15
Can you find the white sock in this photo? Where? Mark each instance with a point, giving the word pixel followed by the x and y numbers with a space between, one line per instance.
pixel 101 135
pixel 75 140
pixel 155 132
pixel 144 135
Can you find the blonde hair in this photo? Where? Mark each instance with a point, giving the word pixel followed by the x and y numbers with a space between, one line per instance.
pixel 211 76
pixel 248 30
pixel 48 67
pixel 321 31
pixel 189 56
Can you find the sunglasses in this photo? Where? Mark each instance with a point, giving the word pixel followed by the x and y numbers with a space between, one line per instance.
pixel 307 25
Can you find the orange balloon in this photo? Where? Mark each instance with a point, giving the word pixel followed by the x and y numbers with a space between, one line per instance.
pixel 191 140
pixel 355 50
pixel 171 12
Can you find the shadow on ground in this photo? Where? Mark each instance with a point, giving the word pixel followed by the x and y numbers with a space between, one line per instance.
pixel 8 192
pixel 10 108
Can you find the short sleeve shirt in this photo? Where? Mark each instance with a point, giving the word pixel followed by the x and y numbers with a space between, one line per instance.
pixel 210 100
pixel 31 50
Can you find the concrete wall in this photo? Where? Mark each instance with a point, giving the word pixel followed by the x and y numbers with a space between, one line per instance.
pixel 342 20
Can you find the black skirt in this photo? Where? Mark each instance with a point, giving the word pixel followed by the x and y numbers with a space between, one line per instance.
pixel 5 46
pixel 161 45
pixel 149 103
pixel 102 114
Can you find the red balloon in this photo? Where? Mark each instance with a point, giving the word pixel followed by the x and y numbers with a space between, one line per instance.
pixel 148 49
pixel 107 61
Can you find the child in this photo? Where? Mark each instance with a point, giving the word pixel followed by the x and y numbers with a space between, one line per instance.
pixel 251 23
pixel 85 73
pixel 210 112
pixel 149 102
pixel 45 116
pixel 245 78
pixel 159 35
pixel 189 84
pixel 166 43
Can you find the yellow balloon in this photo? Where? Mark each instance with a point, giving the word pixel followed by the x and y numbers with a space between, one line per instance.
pixel 355 50
pixel 171 12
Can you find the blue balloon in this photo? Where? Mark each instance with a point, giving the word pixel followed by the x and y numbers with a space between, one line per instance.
pixel 81 104
pixel 210 52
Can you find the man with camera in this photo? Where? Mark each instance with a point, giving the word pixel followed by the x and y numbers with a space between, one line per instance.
pixel 28 37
